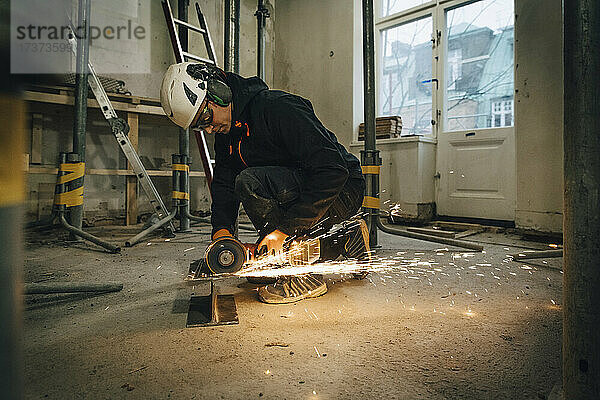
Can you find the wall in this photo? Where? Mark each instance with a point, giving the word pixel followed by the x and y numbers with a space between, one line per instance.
pixel 313 58
pixel 148 84
pixel 539 114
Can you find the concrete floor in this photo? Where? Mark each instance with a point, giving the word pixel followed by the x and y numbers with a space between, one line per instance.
pixel 458 326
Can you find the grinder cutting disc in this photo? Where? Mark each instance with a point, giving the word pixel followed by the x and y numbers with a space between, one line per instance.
pixel 225 255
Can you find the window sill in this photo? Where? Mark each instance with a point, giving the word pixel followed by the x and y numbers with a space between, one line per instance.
pixel 404 139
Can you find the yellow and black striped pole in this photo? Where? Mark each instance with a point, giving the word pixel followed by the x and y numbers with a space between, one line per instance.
pixel 69 183
pixel 370 155
pixel 179 195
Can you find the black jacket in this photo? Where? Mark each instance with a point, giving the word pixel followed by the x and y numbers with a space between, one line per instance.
pixel 275 128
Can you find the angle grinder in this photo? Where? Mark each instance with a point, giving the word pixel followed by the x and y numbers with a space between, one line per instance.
pixel 226 255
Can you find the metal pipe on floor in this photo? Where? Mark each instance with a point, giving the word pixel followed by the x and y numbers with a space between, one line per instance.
pixel 530 255
pixel 138 238
pixel 87 236
pixel 429 238
pixel 370 155
pixel 81 95
pixel 232 36
pixel 48 288
pixel 581 215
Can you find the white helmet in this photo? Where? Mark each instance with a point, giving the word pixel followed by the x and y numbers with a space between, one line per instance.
pixel 181 94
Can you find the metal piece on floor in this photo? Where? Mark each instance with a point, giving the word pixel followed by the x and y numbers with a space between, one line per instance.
pixel 212 310
pixel 429 238
pixel 527 255
pixel 138 238
pixel 47 288
pixel 433 232
pixel 87 236
pixel 468 232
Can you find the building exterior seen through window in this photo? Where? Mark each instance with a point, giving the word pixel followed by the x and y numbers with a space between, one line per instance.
pixel 389 7
pixel 477 57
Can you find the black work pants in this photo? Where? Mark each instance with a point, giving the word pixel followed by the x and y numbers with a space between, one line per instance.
pixel 267 192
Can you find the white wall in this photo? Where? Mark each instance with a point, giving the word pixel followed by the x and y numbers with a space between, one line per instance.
pixel 161 53
pixel 539 114
pixel 313 58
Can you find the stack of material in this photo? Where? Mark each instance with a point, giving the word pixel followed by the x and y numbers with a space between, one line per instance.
pixel 385 127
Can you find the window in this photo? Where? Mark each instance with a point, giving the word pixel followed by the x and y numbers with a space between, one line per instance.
pixel 464 48
pixel 454 67
pixel 502 113
pixel 483 33
pixel 406 79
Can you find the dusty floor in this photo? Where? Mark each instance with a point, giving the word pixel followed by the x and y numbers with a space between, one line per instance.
pixel 456 326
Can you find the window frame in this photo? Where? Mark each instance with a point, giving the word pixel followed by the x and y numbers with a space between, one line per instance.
pixel 437 9
pixel 399 19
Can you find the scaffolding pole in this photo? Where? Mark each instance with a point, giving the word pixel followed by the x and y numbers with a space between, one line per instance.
pixel 581 223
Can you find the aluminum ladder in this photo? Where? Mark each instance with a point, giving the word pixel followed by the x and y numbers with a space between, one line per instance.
pixel 182 56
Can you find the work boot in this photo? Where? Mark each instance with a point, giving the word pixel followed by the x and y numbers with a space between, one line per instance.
pixel 351 241
pixel 292 289
pixel 357 245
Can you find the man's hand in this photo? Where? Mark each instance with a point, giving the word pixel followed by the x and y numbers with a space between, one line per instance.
pixel 273 243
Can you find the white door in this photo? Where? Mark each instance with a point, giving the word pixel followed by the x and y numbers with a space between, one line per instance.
pixel 476 144
pixel 477 174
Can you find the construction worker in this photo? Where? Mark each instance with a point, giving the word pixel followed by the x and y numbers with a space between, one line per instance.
pixel 274 156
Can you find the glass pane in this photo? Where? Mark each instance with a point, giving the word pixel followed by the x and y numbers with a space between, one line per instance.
pixel 479 65
pixel 406 81
pixel 389 7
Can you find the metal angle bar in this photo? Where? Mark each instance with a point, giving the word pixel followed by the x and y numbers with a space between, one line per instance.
pixel 189 26
pixel 140 172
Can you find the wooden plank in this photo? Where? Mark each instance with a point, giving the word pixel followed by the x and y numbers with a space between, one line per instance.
pixel 112 172
pixel 36 138
pixel 112 96
pixel 434 232
pixel 69 100
pixel 131 198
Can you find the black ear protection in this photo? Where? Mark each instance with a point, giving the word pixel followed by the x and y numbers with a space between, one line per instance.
pixel 217 90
